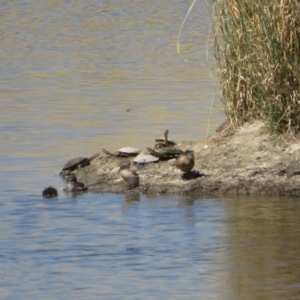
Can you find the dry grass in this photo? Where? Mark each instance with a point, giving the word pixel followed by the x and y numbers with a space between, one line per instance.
pixel 257 52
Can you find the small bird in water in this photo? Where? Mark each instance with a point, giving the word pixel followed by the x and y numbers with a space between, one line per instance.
pixel 73 185
pixel 131 177
pixel 185 161
pixel 50 192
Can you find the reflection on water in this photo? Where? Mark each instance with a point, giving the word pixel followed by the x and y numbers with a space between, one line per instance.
pixel 131 197
pixel 265 247
pixel 111 247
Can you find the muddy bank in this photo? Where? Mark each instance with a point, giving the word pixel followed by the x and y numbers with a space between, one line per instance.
pixel 242 161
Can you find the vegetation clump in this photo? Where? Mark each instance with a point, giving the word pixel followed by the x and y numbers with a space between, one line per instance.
pixel 257 52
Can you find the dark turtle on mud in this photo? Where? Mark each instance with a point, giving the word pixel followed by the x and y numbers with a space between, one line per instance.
pixel 292 169
pixel 145 158
pixel 166 153
pixel 123 152
pixel 164 142
pixel 77 163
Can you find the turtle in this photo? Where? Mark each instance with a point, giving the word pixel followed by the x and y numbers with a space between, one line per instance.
pixel 292 169
pixel 221 127
pixel 77 163
pixel 124 152
pixel 164 142
pixel 166 152
pixel 145 158
pixel 50 192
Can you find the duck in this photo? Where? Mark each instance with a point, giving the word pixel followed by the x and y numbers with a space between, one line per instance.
pixel 73 185
pixel 129 176
pixel 185 161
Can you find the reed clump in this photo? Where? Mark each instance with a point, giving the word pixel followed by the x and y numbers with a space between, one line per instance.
pixel 257 52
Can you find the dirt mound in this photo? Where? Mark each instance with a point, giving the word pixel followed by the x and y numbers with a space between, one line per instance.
pixel 242 161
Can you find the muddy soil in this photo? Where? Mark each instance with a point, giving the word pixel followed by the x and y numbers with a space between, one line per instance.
pixel 246 160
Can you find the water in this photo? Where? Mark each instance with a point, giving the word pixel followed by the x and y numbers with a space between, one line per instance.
pixel 79 77
pixel 112 247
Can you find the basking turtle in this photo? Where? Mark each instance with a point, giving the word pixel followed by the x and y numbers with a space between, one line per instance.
pixel 293 168
pixel 145 158
pixel 123 152
pixel 164 142
pixel 221 127
pixel 166 152
pixel 77 163
pixel 50 192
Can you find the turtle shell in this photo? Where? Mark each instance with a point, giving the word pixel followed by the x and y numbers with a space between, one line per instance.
pixel 166 153
pixel 76 163
pixel 293 168
pixel 129 151
pixel 145 158
pixel 124 152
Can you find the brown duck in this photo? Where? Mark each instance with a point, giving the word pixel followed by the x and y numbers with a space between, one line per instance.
pixel 185 161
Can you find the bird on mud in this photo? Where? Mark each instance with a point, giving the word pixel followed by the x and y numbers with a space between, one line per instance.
pixel 186 161
pixel 73 185
pixel 129 176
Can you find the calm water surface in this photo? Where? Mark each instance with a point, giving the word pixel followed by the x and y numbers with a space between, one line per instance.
pixel 77 77
pixel 112 247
